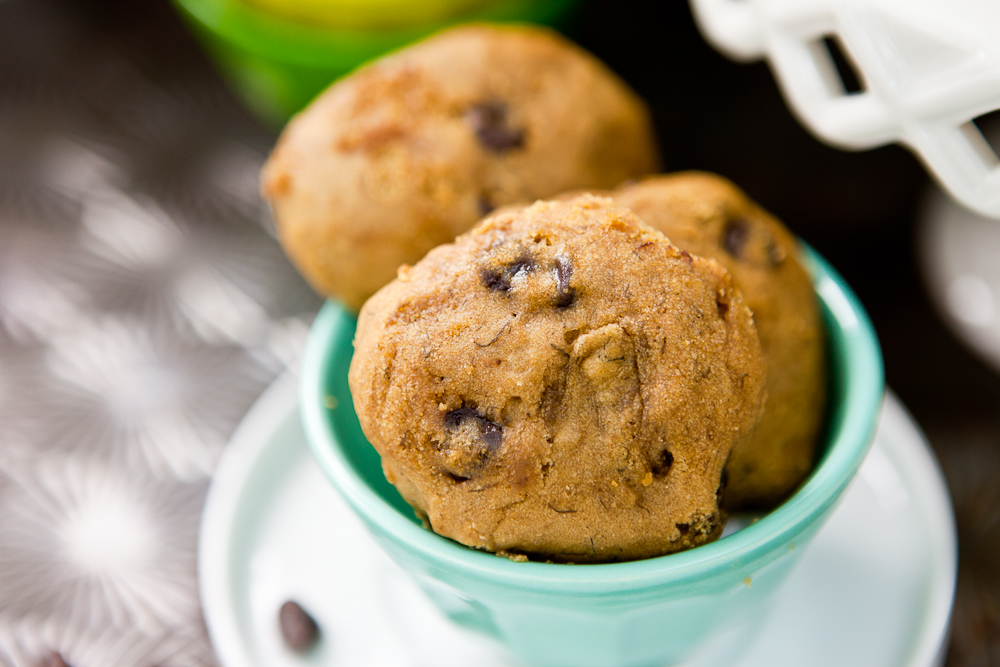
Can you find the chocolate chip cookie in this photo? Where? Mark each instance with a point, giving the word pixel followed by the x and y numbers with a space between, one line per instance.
pixel 413 149
pixel 709 216
pixel 560 383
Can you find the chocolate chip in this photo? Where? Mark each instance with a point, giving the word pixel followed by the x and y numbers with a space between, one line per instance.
pixel 661 466
pixel 721 491
pixel 522 264
pixel 489 121
pixel 490 433
pixel 470 443
pixel 455 418
pixel 52 659
pixel 734 237
pixel 298 628
pixel 565 295
pixel 499 279
pixel 566 299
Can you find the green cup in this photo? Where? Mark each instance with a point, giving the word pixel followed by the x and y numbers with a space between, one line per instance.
pixel 659 611
pixel 278 65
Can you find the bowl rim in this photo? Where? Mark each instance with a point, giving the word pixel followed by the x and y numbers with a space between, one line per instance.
pixel 325 45
pixel 849 439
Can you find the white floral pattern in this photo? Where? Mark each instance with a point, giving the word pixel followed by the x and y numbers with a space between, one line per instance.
pixel 144 305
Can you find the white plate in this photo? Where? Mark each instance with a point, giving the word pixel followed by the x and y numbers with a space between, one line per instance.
pixel 874 588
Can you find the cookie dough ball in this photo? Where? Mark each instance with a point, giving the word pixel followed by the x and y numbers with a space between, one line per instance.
pixel 560 383
pixel 410 151
pixel 709 216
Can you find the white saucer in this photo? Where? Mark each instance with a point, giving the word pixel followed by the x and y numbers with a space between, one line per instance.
pixel 874 588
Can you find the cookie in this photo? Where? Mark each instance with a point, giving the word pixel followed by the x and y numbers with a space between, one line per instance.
pixel 413 149
pixel 709 216
pixel 560 383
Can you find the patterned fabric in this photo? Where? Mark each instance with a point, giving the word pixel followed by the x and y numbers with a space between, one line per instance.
pixel 144 305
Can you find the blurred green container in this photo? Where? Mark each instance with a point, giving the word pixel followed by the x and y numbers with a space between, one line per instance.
pixel 278 62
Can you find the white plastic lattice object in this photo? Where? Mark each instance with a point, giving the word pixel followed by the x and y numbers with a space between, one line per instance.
pixel 926 70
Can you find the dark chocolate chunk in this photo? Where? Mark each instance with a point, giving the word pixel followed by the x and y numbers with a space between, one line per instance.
pixel 734 237
pixel 470 443
pixel 490 433
pixel 565 295
pixel 499 279
pixel 522 264
pixel 455 418
pixel 489 121
pixel 661 466
pixel 53 659
pixel 298 628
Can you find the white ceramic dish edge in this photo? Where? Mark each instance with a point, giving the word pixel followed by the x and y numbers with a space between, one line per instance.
pixel 219 583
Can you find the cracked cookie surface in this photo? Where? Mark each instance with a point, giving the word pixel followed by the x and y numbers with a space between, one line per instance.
pixel 561 383
pixel 709 216
pixel 410 151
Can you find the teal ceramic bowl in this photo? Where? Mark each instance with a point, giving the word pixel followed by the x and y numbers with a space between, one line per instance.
pixel 278 65
pixel 706 601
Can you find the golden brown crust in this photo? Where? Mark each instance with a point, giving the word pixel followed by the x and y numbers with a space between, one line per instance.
pixel 560 382
pixel 411 150
pixel 711 217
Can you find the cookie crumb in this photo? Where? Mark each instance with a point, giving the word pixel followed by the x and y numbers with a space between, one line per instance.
pixel 489 122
